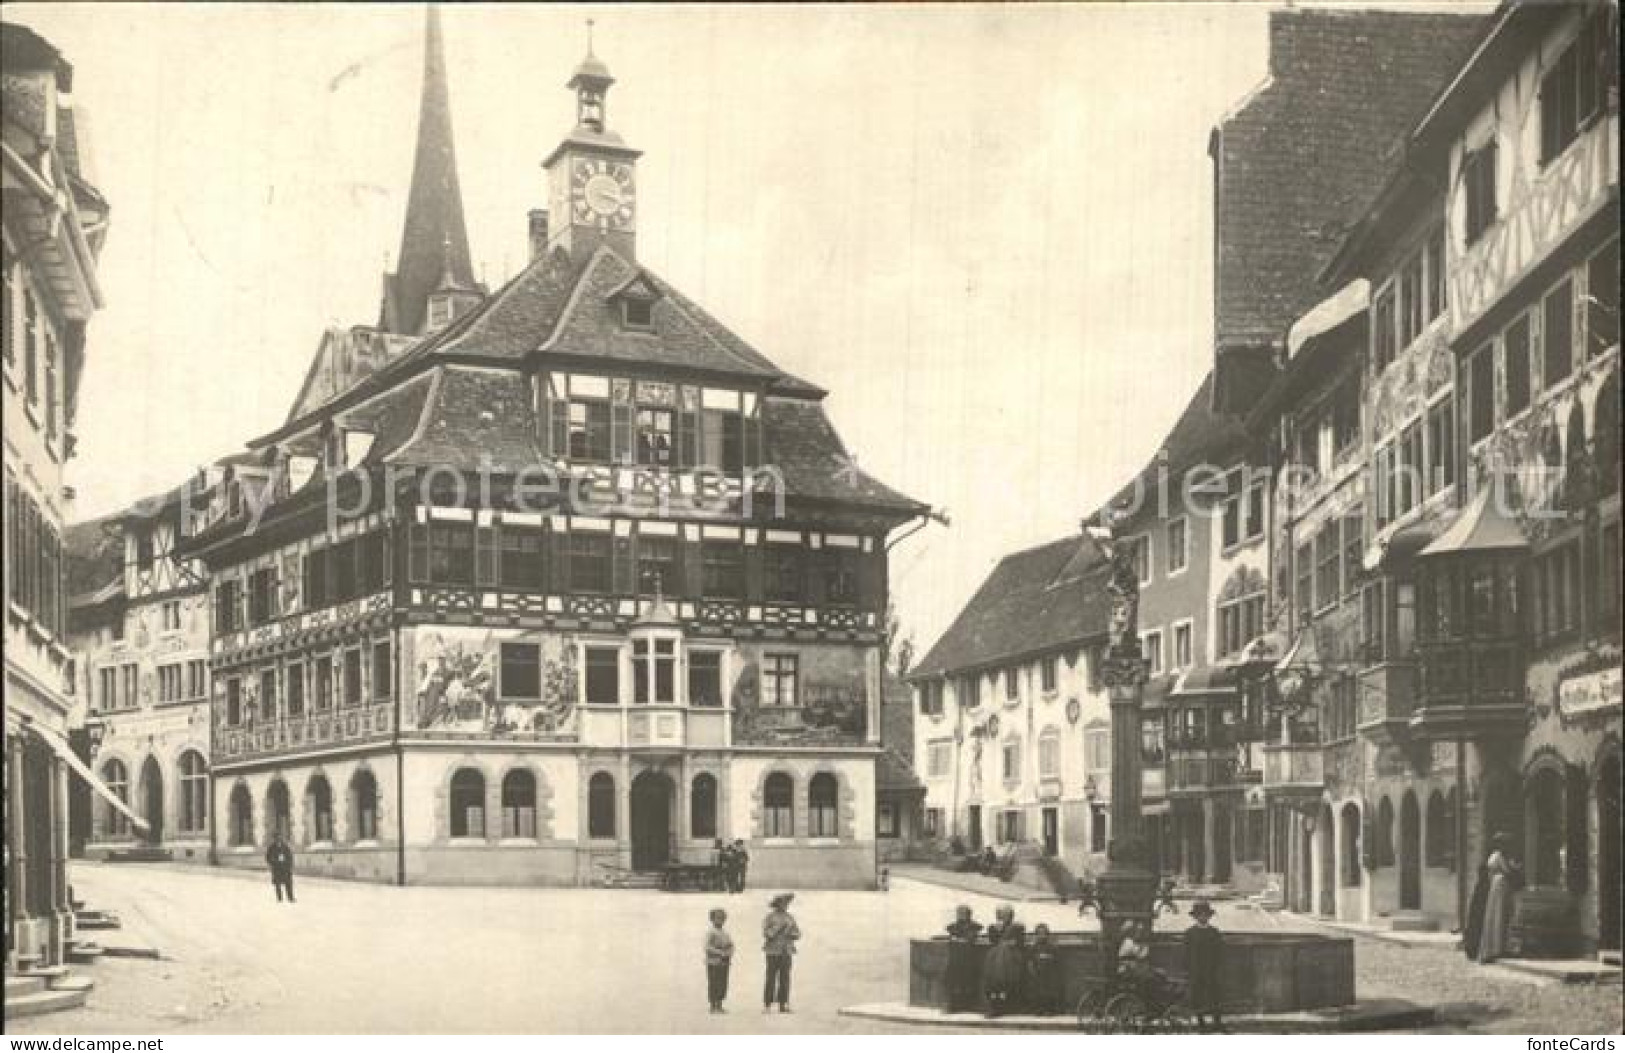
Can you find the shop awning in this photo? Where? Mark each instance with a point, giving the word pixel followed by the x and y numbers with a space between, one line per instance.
pixel 1397 549
pixel 1209 680
pixel 1482 527
pixel 60 747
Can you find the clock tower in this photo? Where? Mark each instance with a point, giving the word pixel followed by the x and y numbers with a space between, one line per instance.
pixel 592 174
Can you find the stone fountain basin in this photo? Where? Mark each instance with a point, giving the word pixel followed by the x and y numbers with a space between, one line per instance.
pixel 1264 972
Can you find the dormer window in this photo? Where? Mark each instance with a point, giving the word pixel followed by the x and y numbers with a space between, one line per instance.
pixel 636 299
pixel 637 313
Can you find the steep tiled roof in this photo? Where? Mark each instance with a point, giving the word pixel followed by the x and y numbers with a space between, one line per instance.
pixel 894 775
pixel 1035 600
pixel 1303 156
pixel 473 418
pixel 95 555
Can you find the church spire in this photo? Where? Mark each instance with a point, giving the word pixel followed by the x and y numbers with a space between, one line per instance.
pixel 434 243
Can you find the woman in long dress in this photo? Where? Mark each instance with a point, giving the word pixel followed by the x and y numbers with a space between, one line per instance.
pixel 1489 911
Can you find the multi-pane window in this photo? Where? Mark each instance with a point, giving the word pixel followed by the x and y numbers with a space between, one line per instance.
pixel 705 678
pixel 261 596
pixel 1010 760
pixel 169 683
pixel 601 805
pixel 523 563
pixel 321 809
pixel 109 688
pixel 451 553
pixel 1576 88
pixel 1438 287
pixel 364 802
pixel 1183 657
pixel 657 565
pixel 234 701
pixel 1012 683
pixel 722 429
pixel 1557 334
pixel 1515 355
pixel 1441 446
pixel 1481 394
pixel 1557 592
pixel 722 569
pixel 1602 301
pixel 467 803
pixel 382 671
pixel 654 670
pixel 194 797
pixel 1353 550
pixel 589 429
pixel 519 804
pixel 654 436
pixel 1411 308
pixel 521 671
pixel 1411 468
pixel 1178 555
pixel 823 805
pixel 841 575
pixel 590 561
pixel 1304 566
pixel 702 806
pixel 781 680
pixel 782 572
pixel 227 609
pixel 1478 182
pixel 939 759
pixel 1383 329
pixel 1049 755
pixel 324 683
pixel 1097 749
pixel 1142 557
pixel 1327 566
pixel 603 675
pixel 294 682
pixel 117 780
pixel 778 805
pixel 268 694
pixel 169 614
pixel 1048 673
pixel 352 677
pixel 1151 645
pixel 1345 416
pixel 1240 622
pixel 130 674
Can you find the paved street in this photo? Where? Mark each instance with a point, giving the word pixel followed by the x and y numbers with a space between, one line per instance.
pixel 367 958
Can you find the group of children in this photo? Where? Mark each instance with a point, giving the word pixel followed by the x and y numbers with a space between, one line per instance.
pixel 1013 976
pixel 779 935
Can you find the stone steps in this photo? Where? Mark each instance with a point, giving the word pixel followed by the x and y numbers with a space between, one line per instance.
pixel 83 952
pixel 45 991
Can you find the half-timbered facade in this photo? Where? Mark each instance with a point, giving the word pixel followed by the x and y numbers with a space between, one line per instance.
pixel 140 628
pixel 578 582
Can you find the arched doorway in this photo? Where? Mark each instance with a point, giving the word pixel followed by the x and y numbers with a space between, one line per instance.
pixel 1410 853
pixel 152 800
pixel 1608 861
pixel 1544 808
pixel 652 795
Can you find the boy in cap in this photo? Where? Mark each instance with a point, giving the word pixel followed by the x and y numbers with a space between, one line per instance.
pixel 779 936
pixel 719 953
pixel 1204 963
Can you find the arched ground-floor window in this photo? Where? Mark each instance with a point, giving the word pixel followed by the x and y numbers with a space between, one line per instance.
pixel 823 806
pixel 519 804
pixel 321 809
pixel 702 806
pixel 363 806
pixel 1348 830
pixel 467 803
pixel 194 817
pixel 778 806
pixel 240 828
pixel 601 805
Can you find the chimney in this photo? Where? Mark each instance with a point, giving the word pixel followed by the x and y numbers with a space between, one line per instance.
pixel 538 232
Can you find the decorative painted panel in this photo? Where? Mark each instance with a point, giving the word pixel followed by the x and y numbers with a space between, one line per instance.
pixel 456 673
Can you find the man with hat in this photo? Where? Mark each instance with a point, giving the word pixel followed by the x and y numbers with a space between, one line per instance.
pixel 779 936
pixel 1204 964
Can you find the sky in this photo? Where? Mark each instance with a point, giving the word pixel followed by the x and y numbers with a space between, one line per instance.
pixel 986 230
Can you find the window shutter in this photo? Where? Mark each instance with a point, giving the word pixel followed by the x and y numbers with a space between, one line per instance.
pixel 688 439
pixel 871 580
pixel 754 591
pixel 621 423
pixel 692 563
pixel 623 569
pixel 485 555
pixel 559 568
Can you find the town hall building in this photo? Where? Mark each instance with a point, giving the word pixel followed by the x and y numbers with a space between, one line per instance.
pixel 549 583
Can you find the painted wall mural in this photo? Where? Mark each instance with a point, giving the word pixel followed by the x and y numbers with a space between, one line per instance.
pixel 830 704
pixel 458 683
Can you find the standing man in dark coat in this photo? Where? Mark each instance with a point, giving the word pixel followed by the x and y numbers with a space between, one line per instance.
pixel 741 863
pixel 279 857
pixel 1204 963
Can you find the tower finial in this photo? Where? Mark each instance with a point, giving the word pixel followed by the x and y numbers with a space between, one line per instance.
pixel 589 36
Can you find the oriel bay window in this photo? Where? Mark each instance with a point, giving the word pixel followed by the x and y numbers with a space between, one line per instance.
pixel 654 670
pixel 442 553
pixel 1470 621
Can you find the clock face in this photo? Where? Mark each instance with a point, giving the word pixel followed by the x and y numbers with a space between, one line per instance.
pixel 602 194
